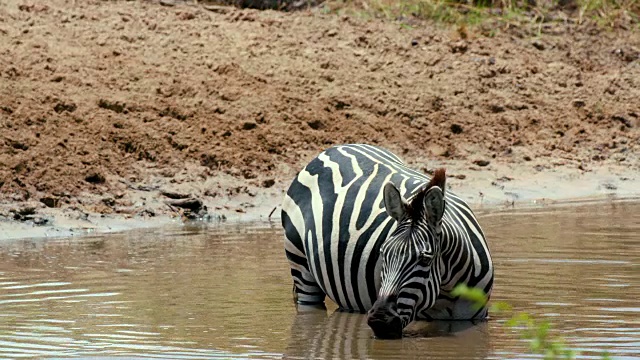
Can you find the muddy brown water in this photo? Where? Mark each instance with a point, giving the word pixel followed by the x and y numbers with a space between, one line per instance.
pixel 225 292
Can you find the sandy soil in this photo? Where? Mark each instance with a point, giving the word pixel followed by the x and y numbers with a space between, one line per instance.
pixel 108 109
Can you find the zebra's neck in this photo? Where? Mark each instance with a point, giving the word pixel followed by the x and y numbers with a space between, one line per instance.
pixel 455 245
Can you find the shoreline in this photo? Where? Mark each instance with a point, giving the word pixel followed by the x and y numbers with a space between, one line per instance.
pixel 486 190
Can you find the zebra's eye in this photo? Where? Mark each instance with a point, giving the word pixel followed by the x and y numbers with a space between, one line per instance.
pixel 425 258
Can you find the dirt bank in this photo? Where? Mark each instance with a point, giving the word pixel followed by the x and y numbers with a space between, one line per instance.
pixel 105 106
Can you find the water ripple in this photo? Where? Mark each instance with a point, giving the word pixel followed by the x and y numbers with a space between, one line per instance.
pixel 225 293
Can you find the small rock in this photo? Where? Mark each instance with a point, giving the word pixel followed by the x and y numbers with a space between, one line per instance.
pixel 622 119
pixel 538 45
pixel 110 202
pixel 18 145
pixel 496 108
pixel 33 8
pixel 95 178
pixel 315 124
pixel 26 211
pixel 341 105
pixel 248 174
pixel 146 213
pixel 578 103
pixel 268 183
pixel 40 221
pixel 492 61
pixel 60 107
pixel 174 195
pixel 482 163
pixel 186 16
pixel 50 201
pixel 628 55
pixel 461 176
pixel 328 77
pixel 174 113
pixel 211 193
pixel 459 47
pixel 192 204
pixel 194 215
pixel 331 33
pixel 456 129
pixel 414 42
pixel 114 106
pixel 249 125
pixel 527 158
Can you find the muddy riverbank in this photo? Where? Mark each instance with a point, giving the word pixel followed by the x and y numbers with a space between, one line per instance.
pixel 485 190
pixel 125 114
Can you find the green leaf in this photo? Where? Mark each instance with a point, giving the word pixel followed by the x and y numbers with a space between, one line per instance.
pixel 518 320
pixel 549 354
pixel 475 295
pixel 570 354
pixel 500 306
pixel 543 329
pixel 535 345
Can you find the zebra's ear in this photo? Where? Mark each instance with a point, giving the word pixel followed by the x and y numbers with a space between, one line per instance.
pixel 439 179
pixel 393 202
pixel 434 206
pixel 434 197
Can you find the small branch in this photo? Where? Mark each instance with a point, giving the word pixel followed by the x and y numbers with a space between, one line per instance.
pixel 272 211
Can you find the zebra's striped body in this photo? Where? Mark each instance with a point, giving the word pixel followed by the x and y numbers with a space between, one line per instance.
pixel 335 224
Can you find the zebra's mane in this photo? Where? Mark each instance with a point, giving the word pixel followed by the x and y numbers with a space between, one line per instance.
pixel 416 202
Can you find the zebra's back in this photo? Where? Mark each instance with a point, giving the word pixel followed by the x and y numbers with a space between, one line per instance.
pixel 335 222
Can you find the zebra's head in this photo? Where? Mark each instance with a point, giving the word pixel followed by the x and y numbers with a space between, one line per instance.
pixel 410 278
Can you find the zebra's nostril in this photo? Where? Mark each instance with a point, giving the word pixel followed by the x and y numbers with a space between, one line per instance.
pixel 386 327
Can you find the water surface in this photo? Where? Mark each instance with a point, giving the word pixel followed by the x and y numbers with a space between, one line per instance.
pixel 225 292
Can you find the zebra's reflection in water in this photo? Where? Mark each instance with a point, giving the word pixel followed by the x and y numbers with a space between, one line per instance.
pixel 318 334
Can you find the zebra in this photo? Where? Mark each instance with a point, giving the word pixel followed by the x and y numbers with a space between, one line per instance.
pixel 378 237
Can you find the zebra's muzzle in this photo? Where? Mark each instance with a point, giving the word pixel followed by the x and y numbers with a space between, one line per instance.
pixel 383 319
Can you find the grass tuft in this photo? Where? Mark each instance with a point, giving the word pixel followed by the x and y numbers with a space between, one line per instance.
pixel 608 13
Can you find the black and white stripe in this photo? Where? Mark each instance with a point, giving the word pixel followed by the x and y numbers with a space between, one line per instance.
pixel 336 225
